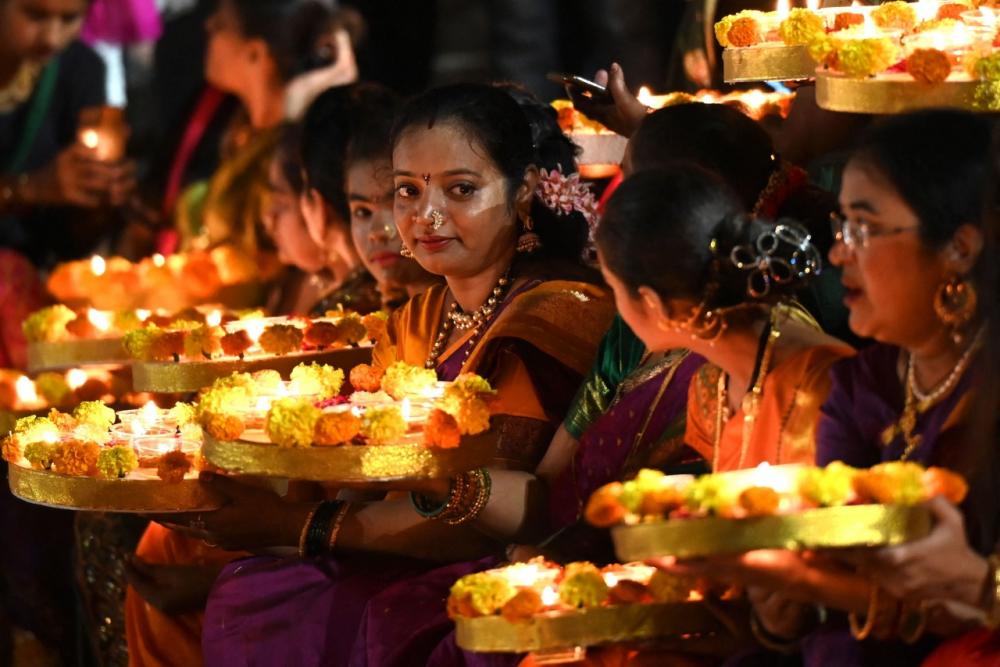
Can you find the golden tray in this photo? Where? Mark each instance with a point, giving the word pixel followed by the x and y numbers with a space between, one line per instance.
pixel 587 627
pixel 74 353
pixel 186 376
pixel 767 63
pixel 891 93
pixel 600 151
pixel 824 528
pixel 109 495
pixel 358 464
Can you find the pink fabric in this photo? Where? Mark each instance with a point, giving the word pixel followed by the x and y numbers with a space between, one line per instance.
pixel 122 22
pixel 21 293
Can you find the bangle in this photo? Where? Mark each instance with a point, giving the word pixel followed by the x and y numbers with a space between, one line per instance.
pixel 315 535
pixel 991 592
pixel 861 633
pixel 912 622
pixel 427 509
pixel 338 521
pixel 770 641
pixel 472 503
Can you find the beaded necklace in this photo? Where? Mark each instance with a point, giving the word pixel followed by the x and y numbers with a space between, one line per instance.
pixel 476 320
pixel 917 402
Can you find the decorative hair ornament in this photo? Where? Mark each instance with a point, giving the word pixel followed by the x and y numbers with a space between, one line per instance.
pixel 785 180
pixel 767 267
pixel 565 194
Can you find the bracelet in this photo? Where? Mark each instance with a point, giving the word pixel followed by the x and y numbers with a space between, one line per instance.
pixel 912 622
pixel 990 599
pixel 474 502
pixel 862 633
pixel 338 521
pixel 427 509
pixel 770 641
pixel 315 535
pixel 305 530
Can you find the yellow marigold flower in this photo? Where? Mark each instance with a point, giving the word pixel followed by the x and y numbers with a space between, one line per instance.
pixel 484 593
pixel 822 49
pixel 707 495
pixel 318 379
pixel 34 429
pixel 401 379
pixel 95 413
pixel 139 343
pixel 203 342
pixel 865 57
pixel 831 486
pixel 291 422
pixel 183 413
pixel 383 425
pixel 223 427
pixel 48 324
pixel 39 455
pixel 351 329
pixel 666 588
pixel 336 428
pixel 281 339
pixel 801 27
pixel 463 401
pixel 267 382
pixel 895 15
pixel 117 462
pixel 76 457
pixel 582 586
pixel 893 483
pixel 375 324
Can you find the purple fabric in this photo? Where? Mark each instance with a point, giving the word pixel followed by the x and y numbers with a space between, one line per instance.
pixel 122 22
pixel 272 611
pixel 865 398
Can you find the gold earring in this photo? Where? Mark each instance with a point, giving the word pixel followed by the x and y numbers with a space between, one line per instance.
pixel 528 241
pixel 405 251
pixel 955 305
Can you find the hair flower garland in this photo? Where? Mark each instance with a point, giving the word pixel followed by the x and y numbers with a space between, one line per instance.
pixel 565 194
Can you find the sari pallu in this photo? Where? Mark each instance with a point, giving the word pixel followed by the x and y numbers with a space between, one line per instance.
pixel 267 611
pixel 407 624
pixel 865 399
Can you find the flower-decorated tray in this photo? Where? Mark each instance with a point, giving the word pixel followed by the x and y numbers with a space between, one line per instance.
pixel 46 356
pixel 133 495
pixel 768 62
pixel 892 93
pixel 359 464
pixel 603 151
pixel 823 528
pixel 587 627
pixel 188 376
pixel 770 507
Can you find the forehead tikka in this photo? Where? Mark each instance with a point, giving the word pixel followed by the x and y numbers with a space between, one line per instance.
pixel 427 179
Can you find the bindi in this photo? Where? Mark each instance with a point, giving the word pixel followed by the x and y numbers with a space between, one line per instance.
pixel 427 179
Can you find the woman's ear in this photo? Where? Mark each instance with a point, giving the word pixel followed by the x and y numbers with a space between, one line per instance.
pixel 963 250
pixel 656 309
pixel 526 191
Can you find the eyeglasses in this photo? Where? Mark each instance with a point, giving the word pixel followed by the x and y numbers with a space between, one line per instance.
pixel 857 235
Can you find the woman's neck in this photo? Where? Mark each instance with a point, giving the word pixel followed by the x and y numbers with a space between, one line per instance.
pixel 420 286
pixel 265 104
pixel 735 352
pixel 471 292
pixel 935 359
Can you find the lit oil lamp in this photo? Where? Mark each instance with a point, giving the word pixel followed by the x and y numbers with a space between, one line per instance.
pixel 103 132
pixel 155 446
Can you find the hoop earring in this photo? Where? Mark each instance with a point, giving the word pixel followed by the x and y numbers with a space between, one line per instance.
pixel 405 252
pixel 955 305
pixel 528 241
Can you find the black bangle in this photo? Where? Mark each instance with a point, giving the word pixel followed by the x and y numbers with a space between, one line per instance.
pixel 316 541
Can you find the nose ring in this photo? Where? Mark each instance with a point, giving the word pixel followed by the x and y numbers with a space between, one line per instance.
pixel 437 220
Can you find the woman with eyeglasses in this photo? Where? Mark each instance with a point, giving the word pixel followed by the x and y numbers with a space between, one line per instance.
pixel 913 250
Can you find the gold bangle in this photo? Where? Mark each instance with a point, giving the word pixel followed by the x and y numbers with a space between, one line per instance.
pixel 337 523
pixel 770 641
pixel 474 504
pixel 912 623
pixel 305 530
pixel 862 633
pixel 991 593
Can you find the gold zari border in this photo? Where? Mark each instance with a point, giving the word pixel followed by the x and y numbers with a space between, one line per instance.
pixel 767 63
pixel 890 95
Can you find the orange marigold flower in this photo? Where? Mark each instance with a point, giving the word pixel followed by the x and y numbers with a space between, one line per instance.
pixel 604 509
pixel 223 427
pixel 760 500
pixel 525 604
pixel 76 457
pixel 441 430
pixel 661 501
pixel 929 66
pixel 375 324
pixel 321 334
pixel 336 428
pixel 952 10
pixel 941 482
pixel 236 343
pixel 173 466
pixel 366 378
pixel 628 591
pixel 10 448
pixel 744 32
pixel 167 345
pixel 281 339
pixel 845 20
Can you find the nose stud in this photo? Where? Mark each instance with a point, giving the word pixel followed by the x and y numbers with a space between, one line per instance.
pixel 437 220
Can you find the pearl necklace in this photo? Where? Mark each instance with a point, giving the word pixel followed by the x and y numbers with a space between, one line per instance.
pixel 918 402
pixel 456 319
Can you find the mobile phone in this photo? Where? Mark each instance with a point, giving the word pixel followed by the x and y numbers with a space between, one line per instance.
pixel 577 85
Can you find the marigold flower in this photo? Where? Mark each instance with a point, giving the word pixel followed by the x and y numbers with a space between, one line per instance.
pixel 183 413
pixel 375 324
pixel 366 378
pixel 291 422
pixel 941 482
pixel 723 27
pixel 894 483
pixel 96 414
pixel 352 329
pixel 952 10
pixel 167 345
pixel 865 57
pixel 38 454
pixel 744 32
pixel 582 586
pixel 401 379
pixel 666 587
pixel 604 508
pixel 281 339
pixel 831 486
pixel 526 603
pixel 54 388
pixel 928 66
pixel 846 20
pixel 48 324
pixel 236 344
pixel 117 462
pixel 707 495
pixel 895 15
pixel 76 457
pixel 383 425
pixel 319 379
pixel 441 430
pixel 138 343
pixel 173 466
pixel 629 591
pixel 203 342
pixel 33 427
pixel 322 335
pixel 10 448
pixel 801 26
pixel 336 428
pixel 480 594
pixel 759 501
pixel 267 381
pixel 223 427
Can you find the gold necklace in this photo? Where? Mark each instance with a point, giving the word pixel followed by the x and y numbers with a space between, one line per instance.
pixel 918 402
pixel 751 402
pixel 455 319
pixel 20 87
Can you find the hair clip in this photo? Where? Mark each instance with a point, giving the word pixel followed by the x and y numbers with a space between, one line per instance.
pixel 767 269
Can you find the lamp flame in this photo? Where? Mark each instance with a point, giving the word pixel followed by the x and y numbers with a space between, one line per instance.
pixel 813 5
pixel 214 318
pixel 254 329
pixel 549 596
pixel 159 260
pixel 25 388
pixel 76 378
pixel 149 414
pixel 406 409
pixel 782 8
pixel 142 314
pixel 646 96
pixel 100 319
pixel 90 139
pixel 97 265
